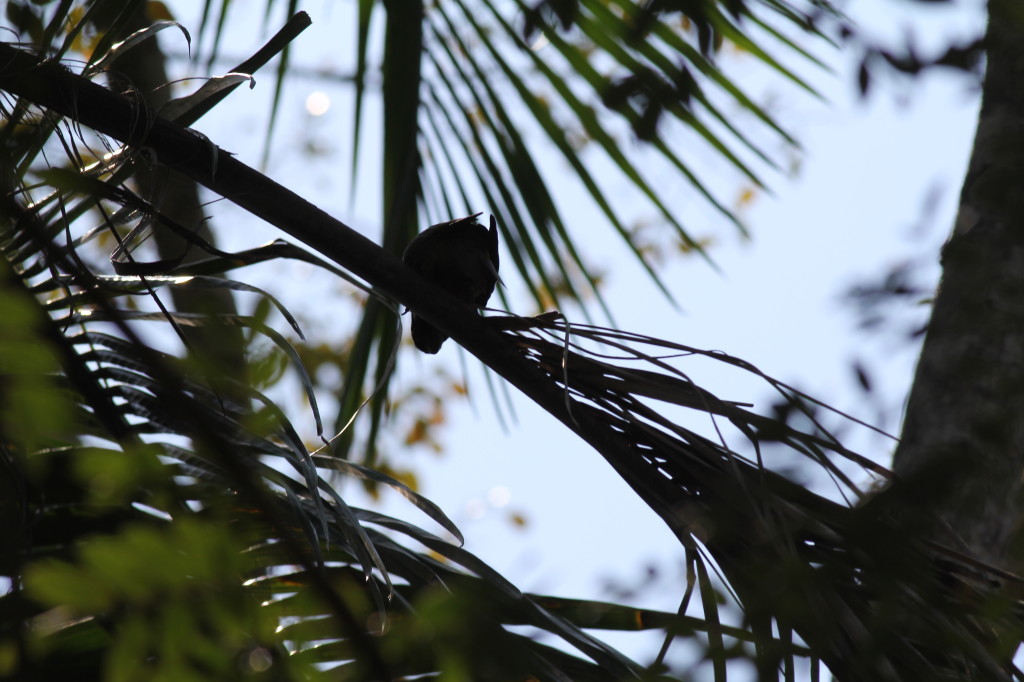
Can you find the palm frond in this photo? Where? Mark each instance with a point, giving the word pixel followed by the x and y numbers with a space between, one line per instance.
pixel 837 578
pixel 486 110
pixel 169 483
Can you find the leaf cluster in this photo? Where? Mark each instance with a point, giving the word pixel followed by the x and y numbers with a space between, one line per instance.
pixel 164 518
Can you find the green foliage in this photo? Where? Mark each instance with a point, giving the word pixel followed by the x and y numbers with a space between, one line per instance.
pixel 33 409
pixel 187 615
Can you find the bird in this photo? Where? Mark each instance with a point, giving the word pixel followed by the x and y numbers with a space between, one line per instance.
pixel 461 257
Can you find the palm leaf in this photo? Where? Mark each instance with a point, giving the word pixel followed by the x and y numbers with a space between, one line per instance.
pixel 190 475
pixel 453 72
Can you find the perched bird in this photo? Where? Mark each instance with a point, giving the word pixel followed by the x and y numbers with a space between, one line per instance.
pixel 461 257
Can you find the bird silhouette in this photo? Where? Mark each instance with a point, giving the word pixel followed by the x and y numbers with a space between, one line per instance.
pixel 461 257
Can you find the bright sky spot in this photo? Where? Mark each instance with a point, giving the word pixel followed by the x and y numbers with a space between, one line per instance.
pixel 499 496
pixel 317 103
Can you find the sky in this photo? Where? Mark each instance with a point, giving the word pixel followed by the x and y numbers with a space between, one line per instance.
pixel 875 186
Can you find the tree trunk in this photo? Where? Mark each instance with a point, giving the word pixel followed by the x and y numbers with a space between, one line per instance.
pixel 962 451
